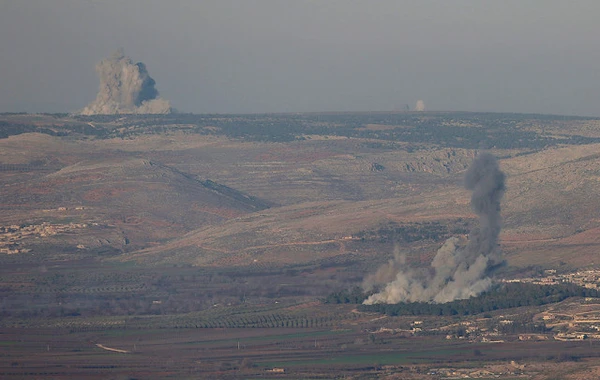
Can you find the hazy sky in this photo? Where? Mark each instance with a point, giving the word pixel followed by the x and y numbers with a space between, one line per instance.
pixel 540 56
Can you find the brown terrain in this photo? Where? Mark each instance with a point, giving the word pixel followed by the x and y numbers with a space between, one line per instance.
pixel 144 214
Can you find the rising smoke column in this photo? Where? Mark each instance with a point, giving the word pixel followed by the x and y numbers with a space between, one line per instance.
pixel 457 271
pixel 125 88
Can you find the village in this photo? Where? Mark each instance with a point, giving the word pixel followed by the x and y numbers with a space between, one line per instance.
pixel 11 236
pixel 586 278
pixel 572 320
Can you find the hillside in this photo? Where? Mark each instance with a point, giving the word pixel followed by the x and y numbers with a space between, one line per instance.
pixel 124 202
pixel 545 211
pixel 194 189
pixel 548 203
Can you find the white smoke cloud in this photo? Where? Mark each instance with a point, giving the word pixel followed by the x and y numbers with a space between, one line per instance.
pixel 458 270
pixel 420 106
pixel 125 88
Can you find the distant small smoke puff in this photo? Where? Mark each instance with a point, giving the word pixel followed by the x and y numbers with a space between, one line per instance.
pixel 125 88
pixel 420 106
pixel 457 271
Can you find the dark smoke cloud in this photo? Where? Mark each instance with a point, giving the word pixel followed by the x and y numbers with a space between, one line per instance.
pixel 457 271
pixel 125 88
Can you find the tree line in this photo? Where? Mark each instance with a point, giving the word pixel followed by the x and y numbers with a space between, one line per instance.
pixel 502 296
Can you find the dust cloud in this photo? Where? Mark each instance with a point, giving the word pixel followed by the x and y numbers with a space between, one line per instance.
pixel 125 88
pixel 459 270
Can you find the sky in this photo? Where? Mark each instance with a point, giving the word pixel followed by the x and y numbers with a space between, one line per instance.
pixel 254 56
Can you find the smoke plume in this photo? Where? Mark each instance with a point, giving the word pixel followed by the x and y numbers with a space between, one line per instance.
pixel 420 106
pixel 458 271
pixel 125 88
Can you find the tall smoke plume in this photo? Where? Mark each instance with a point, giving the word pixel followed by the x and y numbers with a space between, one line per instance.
pixel 125 88
pixel 458 270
